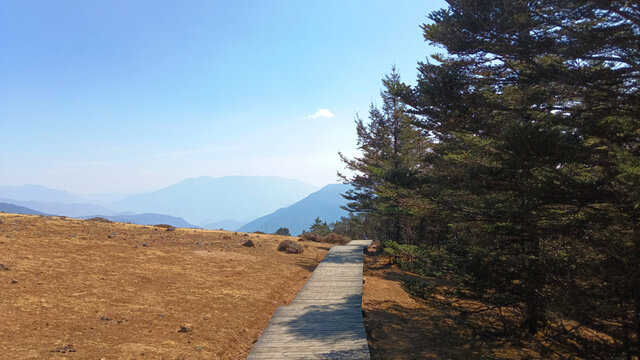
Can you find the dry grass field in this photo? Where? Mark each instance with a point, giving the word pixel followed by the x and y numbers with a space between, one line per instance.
pixel 401 327
pixel 96 290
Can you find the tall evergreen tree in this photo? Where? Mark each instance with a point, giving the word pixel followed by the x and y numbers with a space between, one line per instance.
pixel 391 148
pixel 526 161
pixel 536 114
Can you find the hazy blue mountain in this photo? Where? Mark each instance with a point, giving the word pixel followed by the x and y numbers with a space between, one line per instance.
pixel 102 199
pixel 324 203
pixel 230 225
pixel 15 209
pixel 146 219
pixel 37 193
pixel 205 200
pixel 62 209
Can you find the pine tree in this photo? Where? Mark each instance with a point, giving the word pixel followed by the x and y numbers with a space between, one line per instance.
pixel 535 116
pixel 283 231
pixel 319 227
pixel 517 157
pixel 391 148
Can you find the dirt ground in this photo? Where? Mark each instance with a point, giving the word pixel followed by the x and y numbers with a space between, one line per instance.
pixel 95 290
pixel 401 327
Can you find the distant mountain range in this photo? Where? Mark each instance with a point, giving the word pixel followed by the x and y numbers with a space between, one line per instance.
pixel 324 203
pixel 20 200
pixel 140 219
pixel 211 203
pixel 15 209
pixel 43 194
pixel 37 193
pixel 62 209
pixel 230 225
pixel 147 219
pixel 206 200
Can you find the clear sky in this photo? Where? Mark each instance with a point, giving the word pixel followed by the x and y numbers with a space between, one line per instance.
pixel 126 96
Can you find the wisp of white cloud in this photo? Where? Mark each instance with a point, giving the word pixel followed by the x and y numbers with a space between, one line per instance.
pixel 321 113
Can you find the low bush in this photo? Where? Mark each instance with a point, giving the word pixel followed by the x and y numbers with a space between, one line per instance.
pixel 100 219
pixel 418 288
pixel 333 238
pixel 166 227
pixel 310 236
pixel 290 247
pixel 283 231
pixel 421 261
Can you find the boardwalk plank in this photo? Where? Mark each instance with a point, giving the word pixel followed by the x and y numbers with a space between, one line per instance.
pixel 324 321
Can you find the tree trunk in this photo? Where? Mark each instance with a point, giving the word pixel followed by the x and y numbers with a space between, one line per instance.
pixel 396 232
pixel 637 323
pixel 626 341
pixel 533 299
pixel 636 289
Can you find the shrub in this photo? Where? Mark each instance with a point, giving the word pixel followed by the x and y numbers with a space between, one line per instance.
pixel 258 232
pixel 166 227
pixel 419 288
pixel 283 231
pixel 402 251
pixel 311 237
pixel 100 219
pixel 290 247
pixel 333 238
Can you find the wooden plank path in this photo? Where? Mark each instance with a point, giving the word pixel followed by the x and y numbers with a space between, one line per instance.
pixel 324 321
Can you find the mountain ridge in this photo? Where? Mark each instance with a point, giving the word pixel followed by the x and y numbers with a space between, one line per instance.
pixel 15 209
pixel 63 209
pixel 204 200
pixel 146 219
pixel 325 203
pixel 40 193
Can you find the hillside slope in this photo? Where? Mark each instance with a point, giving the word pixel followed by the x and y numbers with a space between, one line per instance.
pixel 62 209
pixel 74 289
pixel 15 209
pixel 324 203
pixel 225 224
pixel 146 219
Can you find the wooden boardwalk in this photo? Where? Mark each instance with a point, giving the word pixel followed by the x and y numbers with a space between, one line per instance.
pixel 324 321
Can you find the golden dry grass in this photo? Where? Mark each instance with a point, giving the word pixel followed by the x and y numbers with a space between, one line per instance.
pixel 96 290
pixel 401 327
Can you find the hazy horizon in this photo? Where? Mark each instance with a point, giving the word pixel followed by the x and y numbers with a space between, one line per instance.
pixel 94 193
pixel 125 97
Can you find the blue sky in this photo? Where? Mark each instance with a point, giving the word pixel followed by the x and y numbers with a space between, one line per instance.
pixel 127 96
